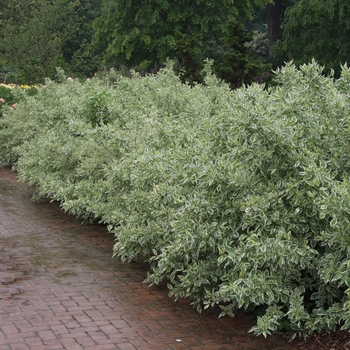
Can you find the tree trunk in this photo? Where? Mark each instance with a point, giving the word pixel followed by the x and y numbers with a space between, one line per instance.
pixel 273 13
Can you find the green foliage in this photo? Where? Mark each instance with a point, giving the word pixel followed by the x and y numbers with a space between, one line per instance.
pixel 134 35
pixel 190 64
pixel 238 66
pixel 38 36
pixel 316 29
pixel 82 36
pixel 11 95
pixel 80 55
pixel 7 93
pixel 240 198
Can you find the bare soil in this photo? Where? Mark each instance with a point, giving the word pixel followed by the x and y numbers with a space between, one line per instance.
pixel 338 340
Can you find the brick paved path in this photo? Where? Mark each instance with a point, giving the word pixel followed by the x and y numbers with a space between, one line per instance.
pixel 60 289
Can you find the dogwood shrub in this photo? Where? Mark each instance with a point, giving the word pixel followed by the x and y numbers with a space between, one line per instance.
pixel 238 198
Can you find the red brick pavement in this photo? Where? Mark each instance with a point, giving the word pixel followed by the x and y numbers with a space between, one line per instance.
pixel 60 289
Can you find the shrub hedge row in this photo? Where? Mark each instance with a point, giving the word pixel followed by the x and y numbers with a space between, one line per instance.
pixel 239 198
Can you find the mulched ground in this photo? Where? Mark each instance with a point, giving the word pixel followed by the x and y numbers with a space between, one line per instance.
pixel 338 340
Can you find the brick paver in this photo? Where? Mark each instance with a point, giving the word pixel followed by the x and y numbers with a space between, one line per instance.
pixel 60 289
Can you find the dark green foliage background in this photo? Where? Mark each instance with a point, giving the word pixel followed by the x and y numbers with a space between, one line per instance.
pixel 316 29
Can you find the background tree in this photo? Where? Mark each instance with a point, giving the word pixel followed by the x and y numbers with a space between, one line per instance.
pixel 238 66
pixel 79 52
pixel 189 63
pixel 33 36
pixel 273 17
pixel 79 35
pixel 317 29
pixel 13 17
pixel 141 34
pixel 267 22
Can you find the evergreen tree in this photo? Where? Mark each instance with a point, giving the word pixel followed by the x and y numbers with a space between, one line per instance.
pixel 238 65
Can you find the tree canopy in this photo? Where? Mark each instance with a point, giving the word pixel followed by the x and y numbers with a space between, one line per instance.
pixel 317 29
pixel 40 35
pixel 83 36
pixel 139 33
pixel 33 34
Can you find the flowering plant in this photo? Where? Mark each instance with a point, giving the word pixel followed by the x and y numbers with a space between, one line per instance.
pixel 10 95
